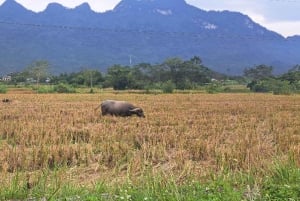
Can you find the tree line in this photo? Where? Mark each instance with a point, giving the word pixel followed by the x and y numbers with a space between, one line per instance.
pixel 183 74
pixel 262 79
pixel 173 73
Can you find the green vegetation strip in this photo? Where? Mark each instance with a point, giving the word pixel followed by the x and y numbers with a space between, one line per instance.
pixel 282 183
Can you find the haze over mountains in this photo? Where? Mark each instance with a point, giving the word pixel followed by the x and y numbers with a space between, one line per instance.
pixel 138 31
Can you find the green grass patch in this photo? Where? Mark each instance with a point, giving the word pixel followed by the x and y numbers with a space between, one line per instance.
pixel 3 89
pixel 283 183
pixel 46 89
pixel 64 88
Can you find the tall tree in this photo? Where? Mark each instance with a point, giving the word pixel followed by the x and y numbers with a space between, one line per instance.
pixel 259 72
pixel 91 77
pixel 172 70
pixel 119 77
pixel 296 68
pixel 196 60
pixel 38 69
pixel 293 75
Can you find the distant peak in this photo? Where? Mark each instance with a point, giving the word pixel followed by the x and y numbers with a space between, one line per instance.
pixel 11 4
pixel 133 4
pixel 56 7
pixel 84 7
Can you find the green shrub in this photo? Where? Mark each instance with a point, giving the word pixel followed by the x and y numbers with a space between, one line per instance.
pixel 296 86
pixel 272 85
pixel 45 89
pixel 168 87
pixel 185 85
pixel 3 89
pixel 64 88
pixel 263 86
pixel 282 87
pixel 213 88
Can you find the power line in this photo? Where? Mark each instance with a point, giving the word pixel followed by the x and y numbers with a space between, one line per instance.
pixel 287 1
pixel 197 35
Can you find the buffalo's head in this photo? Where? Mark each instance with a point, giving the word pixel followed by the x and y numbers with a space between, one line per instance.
pixel 138 111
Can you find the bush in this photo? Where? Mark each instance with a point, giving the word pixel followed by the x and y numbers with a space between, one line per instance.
pixel 213 88
pixel 282 87
pixel 3 89
pixel 263 86
pixel 64 88
pixel 296 86
pixel 186 85
pixel 168 87
pixel 45 89
pixel 272 85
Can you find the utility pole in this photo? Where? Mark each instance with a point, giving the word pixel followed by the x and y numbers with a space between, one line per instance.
pixel 130 60
pixel 91 81
pixel 91 76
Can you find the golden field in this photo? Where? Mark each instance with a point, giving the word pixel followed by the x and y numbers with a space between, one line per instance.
pixel 182 135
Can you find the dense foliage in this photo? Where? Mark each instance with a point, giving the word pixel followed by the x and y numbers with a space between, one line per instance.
pixel 3 89
pixel 262 80
pixel 173 73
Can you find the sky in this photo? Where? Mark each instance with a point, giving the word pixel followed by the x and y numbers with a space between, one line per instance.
pixel 281 16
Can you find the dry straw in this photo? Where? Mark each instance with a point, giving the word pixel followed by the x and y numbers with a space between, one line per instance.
pixel 183 134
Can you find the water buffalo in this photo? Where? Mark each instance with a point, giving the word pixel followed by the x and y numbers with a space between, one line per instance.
pixel 120 108
pixel 6 100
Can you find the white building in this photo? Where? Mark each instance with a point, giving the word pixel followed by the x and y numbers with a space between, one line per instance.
pixel 6 78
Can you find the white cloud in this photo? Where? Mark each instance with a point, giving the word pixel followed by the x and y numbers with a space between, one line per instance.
pixel 276 15
pixel 103 5
pixel 285 28
pixel 40 5
pixel 256 17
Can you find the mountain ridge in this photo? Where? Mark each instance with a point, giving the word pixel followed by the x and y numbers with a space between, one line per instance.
pixel 71 38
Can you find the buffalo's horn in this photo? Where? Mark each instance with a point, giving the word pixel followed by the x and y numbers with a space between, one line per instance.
pixel 97 107
pixel 135 109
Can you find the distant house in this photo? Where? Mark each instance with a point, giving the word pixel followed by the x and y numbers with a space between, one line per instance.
pixel 48 80
pixel 30 80
pixel 6 78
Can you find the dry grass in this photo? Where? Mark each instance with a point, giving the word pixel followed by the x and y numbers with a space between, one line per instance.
pixel 182 134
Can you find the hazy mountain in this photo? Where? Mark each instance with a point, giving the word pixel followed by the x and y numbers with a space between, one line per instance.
pixel 143 30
